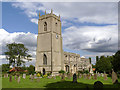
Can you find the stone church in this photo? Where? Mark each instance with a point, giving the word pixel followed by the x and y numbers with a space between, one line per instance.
pixel 50 56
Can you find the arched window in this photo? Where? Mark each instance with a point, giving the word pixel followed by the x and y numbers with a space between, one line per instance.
pixel 45 26
pixel 44 59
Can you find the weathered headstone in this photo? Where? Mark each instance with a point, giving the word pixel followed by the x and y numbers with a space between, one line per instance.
pixel 18 79
pixel 98 85
pixel 69 76
pixel 4 75
pixel 50 77
pixel 85 76
pixel 10 78
pixel 95 76
pixel 80 76
pixel 7 75
pixel 105 76
pixel 74 78
pixel 63 77
pixel 34 75
pixel 98 74
pixel 30 76
pixel 24 76
pixel 88 76
pixel 15 77
pixel 114 77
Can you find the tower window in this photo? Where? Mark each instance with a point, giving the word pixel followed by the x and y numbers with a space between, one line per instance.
pixel 44 59
pixel 45 26
pixel 56 23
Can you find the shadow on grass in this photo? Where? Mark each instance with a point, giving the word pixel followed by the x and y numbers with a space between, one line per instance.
pixel 69 85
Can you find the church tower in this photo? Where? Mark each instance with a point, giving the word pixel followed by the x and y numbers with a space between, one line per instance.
pixel 49 53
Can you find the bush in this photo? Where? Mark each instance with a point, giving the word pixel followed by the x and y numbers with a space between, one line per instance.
pixel 44 76
pixel 61 71
pixel 38 75
pixel 48 74
pixel 31 69
pixel 86 71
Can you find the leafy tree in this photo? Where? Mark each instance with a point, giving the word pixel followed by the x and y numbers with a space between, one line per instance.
pixel 16 53
pixel 90 59
pixel 31 69
pixel 104 64
pixel 116 61
pixel 5 67
pixel 97 58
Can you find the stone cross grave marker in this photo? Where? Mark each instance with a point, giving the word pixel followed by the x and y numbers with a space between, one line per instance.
pixel 74 78
pixel 18 79
pixel 114 77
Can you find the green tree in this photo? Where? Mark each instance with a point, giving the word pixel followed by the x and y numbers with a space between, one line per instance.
pixel 116 61
pixel 104 64
pixel 97 58
pixel 16 53
pixel 5 67
pixel 31 69
pixel 90 59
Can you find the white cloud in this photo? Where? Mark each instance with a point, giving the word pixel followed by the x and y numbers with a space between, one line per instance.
pixel 91 12
pixel 91 38
pixel 34 20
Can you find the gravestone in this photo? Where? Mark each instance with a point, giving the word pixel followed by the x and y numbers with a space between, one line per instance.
pixel 69 77
pixel 85 76
pixel 15 77
pixel 7 75
pixel 49 77
pixel 4 75
pixel 105 76
pixel 80 76
pixel 10 78
pixel 98 85
pixel 54 77
pixel 30 76
pixel 18 79
pixel 24 76
pixel 114 77
pixel 63 77
pixel 95 76
pixel 34 75
pixel 98 74
pixel 102 74
pixel 88 76
pixel 74 78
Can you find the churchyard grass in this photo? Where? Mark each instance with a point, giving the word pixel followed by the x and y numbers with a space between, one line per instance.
pixel 56 83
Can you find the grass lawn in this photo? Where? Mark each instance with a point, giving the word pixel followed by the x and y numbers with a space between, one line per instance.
pixel 56 83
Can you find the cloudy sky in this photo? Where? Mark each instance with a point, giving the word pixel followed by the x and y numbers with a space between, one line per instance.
pixel 88 28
